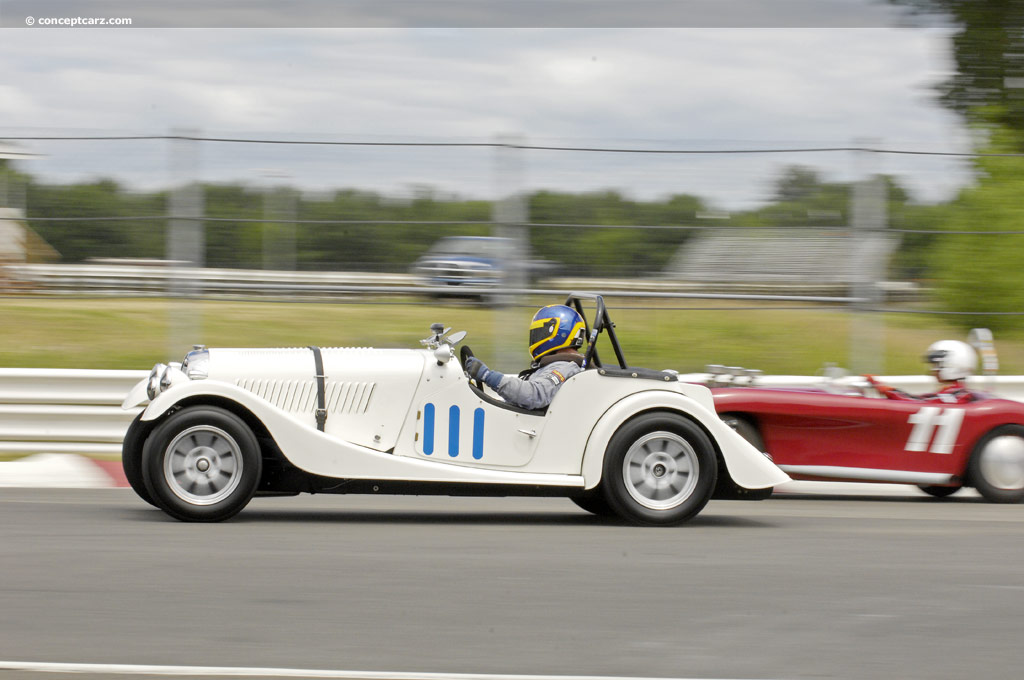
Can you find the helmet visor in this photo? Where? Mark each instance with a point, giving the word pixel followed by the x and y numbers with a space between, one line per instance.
pixel 935 357
pixel 542 330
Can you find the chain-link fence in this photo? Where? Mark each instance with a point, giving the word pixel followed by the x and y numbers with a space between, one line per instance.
pixel 698 228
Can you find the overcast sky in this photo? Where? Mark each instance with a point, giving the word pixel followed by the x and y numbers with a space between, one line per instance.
pixel 673 88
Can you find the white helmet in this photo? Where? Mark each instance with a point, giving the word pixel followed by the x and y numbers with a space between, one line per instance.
pixel 952 360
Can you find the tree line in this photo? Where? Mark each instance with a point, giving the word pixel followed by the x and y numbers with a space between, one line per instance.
pixel 101 219
pixel 967 251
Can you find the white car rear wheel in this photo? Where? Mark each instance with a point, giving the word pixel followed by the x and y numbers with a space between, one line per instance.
pixel 660 469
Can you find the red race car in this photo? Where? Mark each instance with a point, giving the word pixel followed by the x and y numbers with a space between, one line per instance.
pixel 870 432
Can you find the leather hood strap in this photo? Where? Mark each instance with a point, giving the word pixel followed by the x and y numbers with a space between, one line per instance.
pixel 321 397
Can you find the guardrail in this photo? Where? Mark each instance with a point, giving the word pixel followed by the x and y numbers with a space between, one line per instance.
pixel 156 281
pixel 100 280
pixel 64 410
pixel 45 410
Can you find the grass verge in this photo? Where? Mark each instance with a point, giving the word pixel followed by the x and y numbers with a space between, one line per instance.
pixel 684 335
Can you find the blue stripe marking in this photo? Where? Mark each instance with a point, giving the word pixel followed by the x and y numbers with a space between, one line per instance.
pixel 453 431
pixel 428 429
pixel 478 433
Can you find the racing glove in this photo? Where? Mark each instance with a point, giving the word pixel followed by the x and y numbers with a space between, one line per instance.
pixel 477 370
pixel 887 391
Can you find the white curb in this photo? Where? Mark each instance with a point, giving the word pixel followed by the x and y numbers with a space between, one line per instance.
pixel 54 470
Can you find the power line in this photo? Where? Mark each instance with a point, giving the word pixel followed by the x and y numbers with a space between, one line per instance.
pixel 509 145
pixel 488 223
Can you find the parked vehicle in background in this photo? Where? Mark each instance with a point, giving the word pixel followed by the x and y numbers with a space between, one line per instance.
pixel 470 263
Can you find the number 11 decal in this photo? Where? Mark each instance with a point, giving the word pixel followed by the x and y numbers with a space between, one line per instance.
pixel 926 421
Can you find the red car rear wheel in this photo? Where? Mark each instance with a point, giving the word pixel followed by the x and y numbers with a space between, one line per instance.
pixel 997 465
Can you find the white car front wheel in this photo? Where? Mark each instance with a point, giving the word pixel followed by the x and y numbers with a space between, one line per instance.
pixel 202 464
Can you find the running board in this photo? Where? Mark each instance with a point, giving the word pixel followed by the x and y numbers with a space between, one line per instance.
pixel 869 475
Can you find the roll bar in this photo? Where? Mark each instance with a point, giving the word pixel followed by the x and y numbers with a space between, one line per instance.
pixel 602 322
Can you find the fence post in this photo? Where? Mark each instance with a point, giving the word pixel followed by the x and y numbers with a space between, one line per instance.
pixel 509 217
pixel 279 211
pixel 186 244
pixel 869 254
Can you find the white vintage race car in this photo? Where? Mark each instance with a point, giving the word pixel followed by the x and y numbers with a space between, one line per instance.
pixel 228 424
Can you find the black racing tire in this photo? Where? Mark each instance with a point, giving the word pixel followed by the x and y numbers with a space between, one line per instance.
pixel 131 457
pixel 659 469
pixel 745 428
pixel 594 502
pixel 202 464
pixel 996 468
pixel 939 491
pixel 726 488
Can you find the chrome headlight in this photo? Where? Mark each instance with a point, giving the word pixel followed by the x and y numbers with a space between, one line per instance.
pixel 153 385
pixel 167 378
pixel 197 363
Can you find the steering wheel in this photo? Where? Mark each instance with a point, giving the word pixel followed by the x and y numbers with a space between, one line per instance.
pixel 465 353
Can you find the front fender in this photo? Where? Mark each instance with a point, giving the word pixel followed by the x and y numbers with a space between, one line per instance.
pixel 136 396
pixel 182 391
pixel 747 466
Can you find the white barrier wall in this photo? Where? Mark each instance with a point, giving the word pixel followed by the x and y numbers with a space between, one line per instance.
pixel 79 411
pixel 1005 386
pixel 64 410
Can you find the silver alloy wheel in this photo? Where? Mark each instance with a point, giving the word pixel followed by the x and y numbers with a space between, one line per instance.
pixel 660 470
pixel 1002 462
pixel 203 465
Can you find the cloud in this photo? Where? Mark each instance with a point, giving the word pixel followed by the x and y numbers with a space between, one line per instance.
pixel 671 87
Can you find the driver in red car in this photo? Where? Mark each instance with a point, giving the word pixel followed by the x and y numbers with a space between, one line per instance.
pixel 556 333
pixel 952 362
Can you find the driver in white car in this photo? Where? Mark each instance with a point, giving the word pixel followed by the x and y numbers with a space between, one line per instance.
pixel 556 333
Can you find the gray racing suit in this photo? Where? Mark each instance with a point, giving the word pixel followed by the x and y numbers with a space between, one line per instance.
pixel 539 388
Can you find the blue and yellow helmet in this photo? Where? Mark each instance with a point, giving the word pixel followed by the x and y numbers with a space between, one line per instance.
pixel 555 327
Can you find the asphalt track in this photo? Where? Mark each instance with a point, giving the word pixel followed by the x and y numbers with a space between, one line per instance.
pixel 794 587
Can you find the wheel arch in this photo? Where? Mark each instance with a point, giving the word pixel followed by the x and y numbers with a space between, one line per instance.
pixel 725 487
pixel 741 461
pixel 268 444
pixel 748 426
pixel 180 489
pixel 625 411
